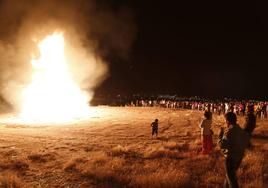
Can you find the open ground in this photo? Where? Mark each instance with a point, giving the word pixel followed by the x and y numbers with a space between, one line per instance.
pixel 114 148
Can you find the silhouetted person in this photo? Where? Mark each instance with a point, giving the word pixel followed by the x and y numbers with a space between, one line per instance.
pixel 206 133
pixel 233 144
pixel 154 126
pixel 250 122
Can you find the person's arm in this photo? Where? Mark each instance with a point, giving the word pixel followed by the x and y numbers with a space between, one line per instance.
pixel 201 125
pixel 225 140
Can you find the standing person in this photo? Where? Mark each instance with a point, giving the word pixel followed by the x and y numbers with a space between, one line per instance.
pixel 233 144
pixel 154 126
pixel 206 133
pixel 250 122
pixel 243 109
pixel 263 110
pixel 266 109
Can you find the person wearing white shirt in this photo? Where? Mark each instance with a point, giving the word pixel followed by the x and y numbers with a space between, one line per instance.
pixel 206 133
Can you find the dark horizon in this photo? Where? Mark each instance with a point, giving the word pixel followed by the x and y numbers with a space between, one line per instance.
pixel 208 49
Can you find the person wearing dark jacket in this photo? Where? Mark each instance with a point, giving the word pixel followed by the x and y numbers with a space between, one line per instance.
pixel 233 143
pixel 250 122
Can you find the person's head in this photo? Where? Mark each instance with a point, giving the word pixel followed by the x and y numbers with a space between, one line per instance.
pixel 207 114
pixel 156 120
pixel 230 118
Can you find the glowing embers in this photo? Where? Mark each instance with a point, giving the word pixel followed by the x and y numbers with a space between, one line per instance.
pixel 53 96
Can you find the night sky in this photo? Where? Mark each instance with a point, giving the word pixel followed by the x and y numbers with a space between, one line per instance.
pixel 210 49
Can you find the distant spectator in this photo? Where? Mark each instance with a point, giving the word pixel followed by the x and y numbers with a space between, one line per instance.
pixel 206 133
pixel 258 111
pixel 154 126
pixel 250 122
pixel 267 110
pixel 233 144
pixel 242 109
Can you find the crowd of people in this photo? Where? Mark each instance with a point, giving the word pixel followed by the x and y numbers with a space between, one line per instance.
pixel 217 107
pixel 233 141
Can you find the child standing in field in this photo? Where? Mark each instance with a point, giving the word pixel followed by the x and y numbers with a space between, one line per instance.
pixel 154 126
pixel 206 133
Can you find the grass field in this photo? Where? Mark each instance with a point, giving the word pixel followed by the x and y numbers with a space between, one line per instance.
pixel 114 148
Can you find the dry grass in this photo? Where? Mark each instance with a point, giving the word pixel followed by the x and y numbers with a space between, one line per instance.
pixel 100 168
pixel 120 151
pixel 162 152
pixel 251 171
pixel 42 158
pixel 169 177
pixel 10 181
pixel 115 150
pixel 14 165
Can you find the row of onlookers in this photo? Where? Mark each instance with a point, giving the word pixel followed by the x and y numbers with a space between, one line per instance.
pixel 238 107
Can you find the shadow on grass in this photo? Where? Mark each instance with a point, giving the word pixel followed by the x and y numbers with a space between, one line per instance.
pixel 107 180
pixel 260 136
pixel 42 158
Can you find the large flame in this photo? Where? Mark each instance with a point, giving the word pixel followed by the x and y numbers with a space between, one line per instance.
pixel 53 96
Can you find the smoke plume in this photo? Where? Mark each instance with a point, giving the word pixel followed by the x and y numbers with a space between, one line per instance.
pixel 91 30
